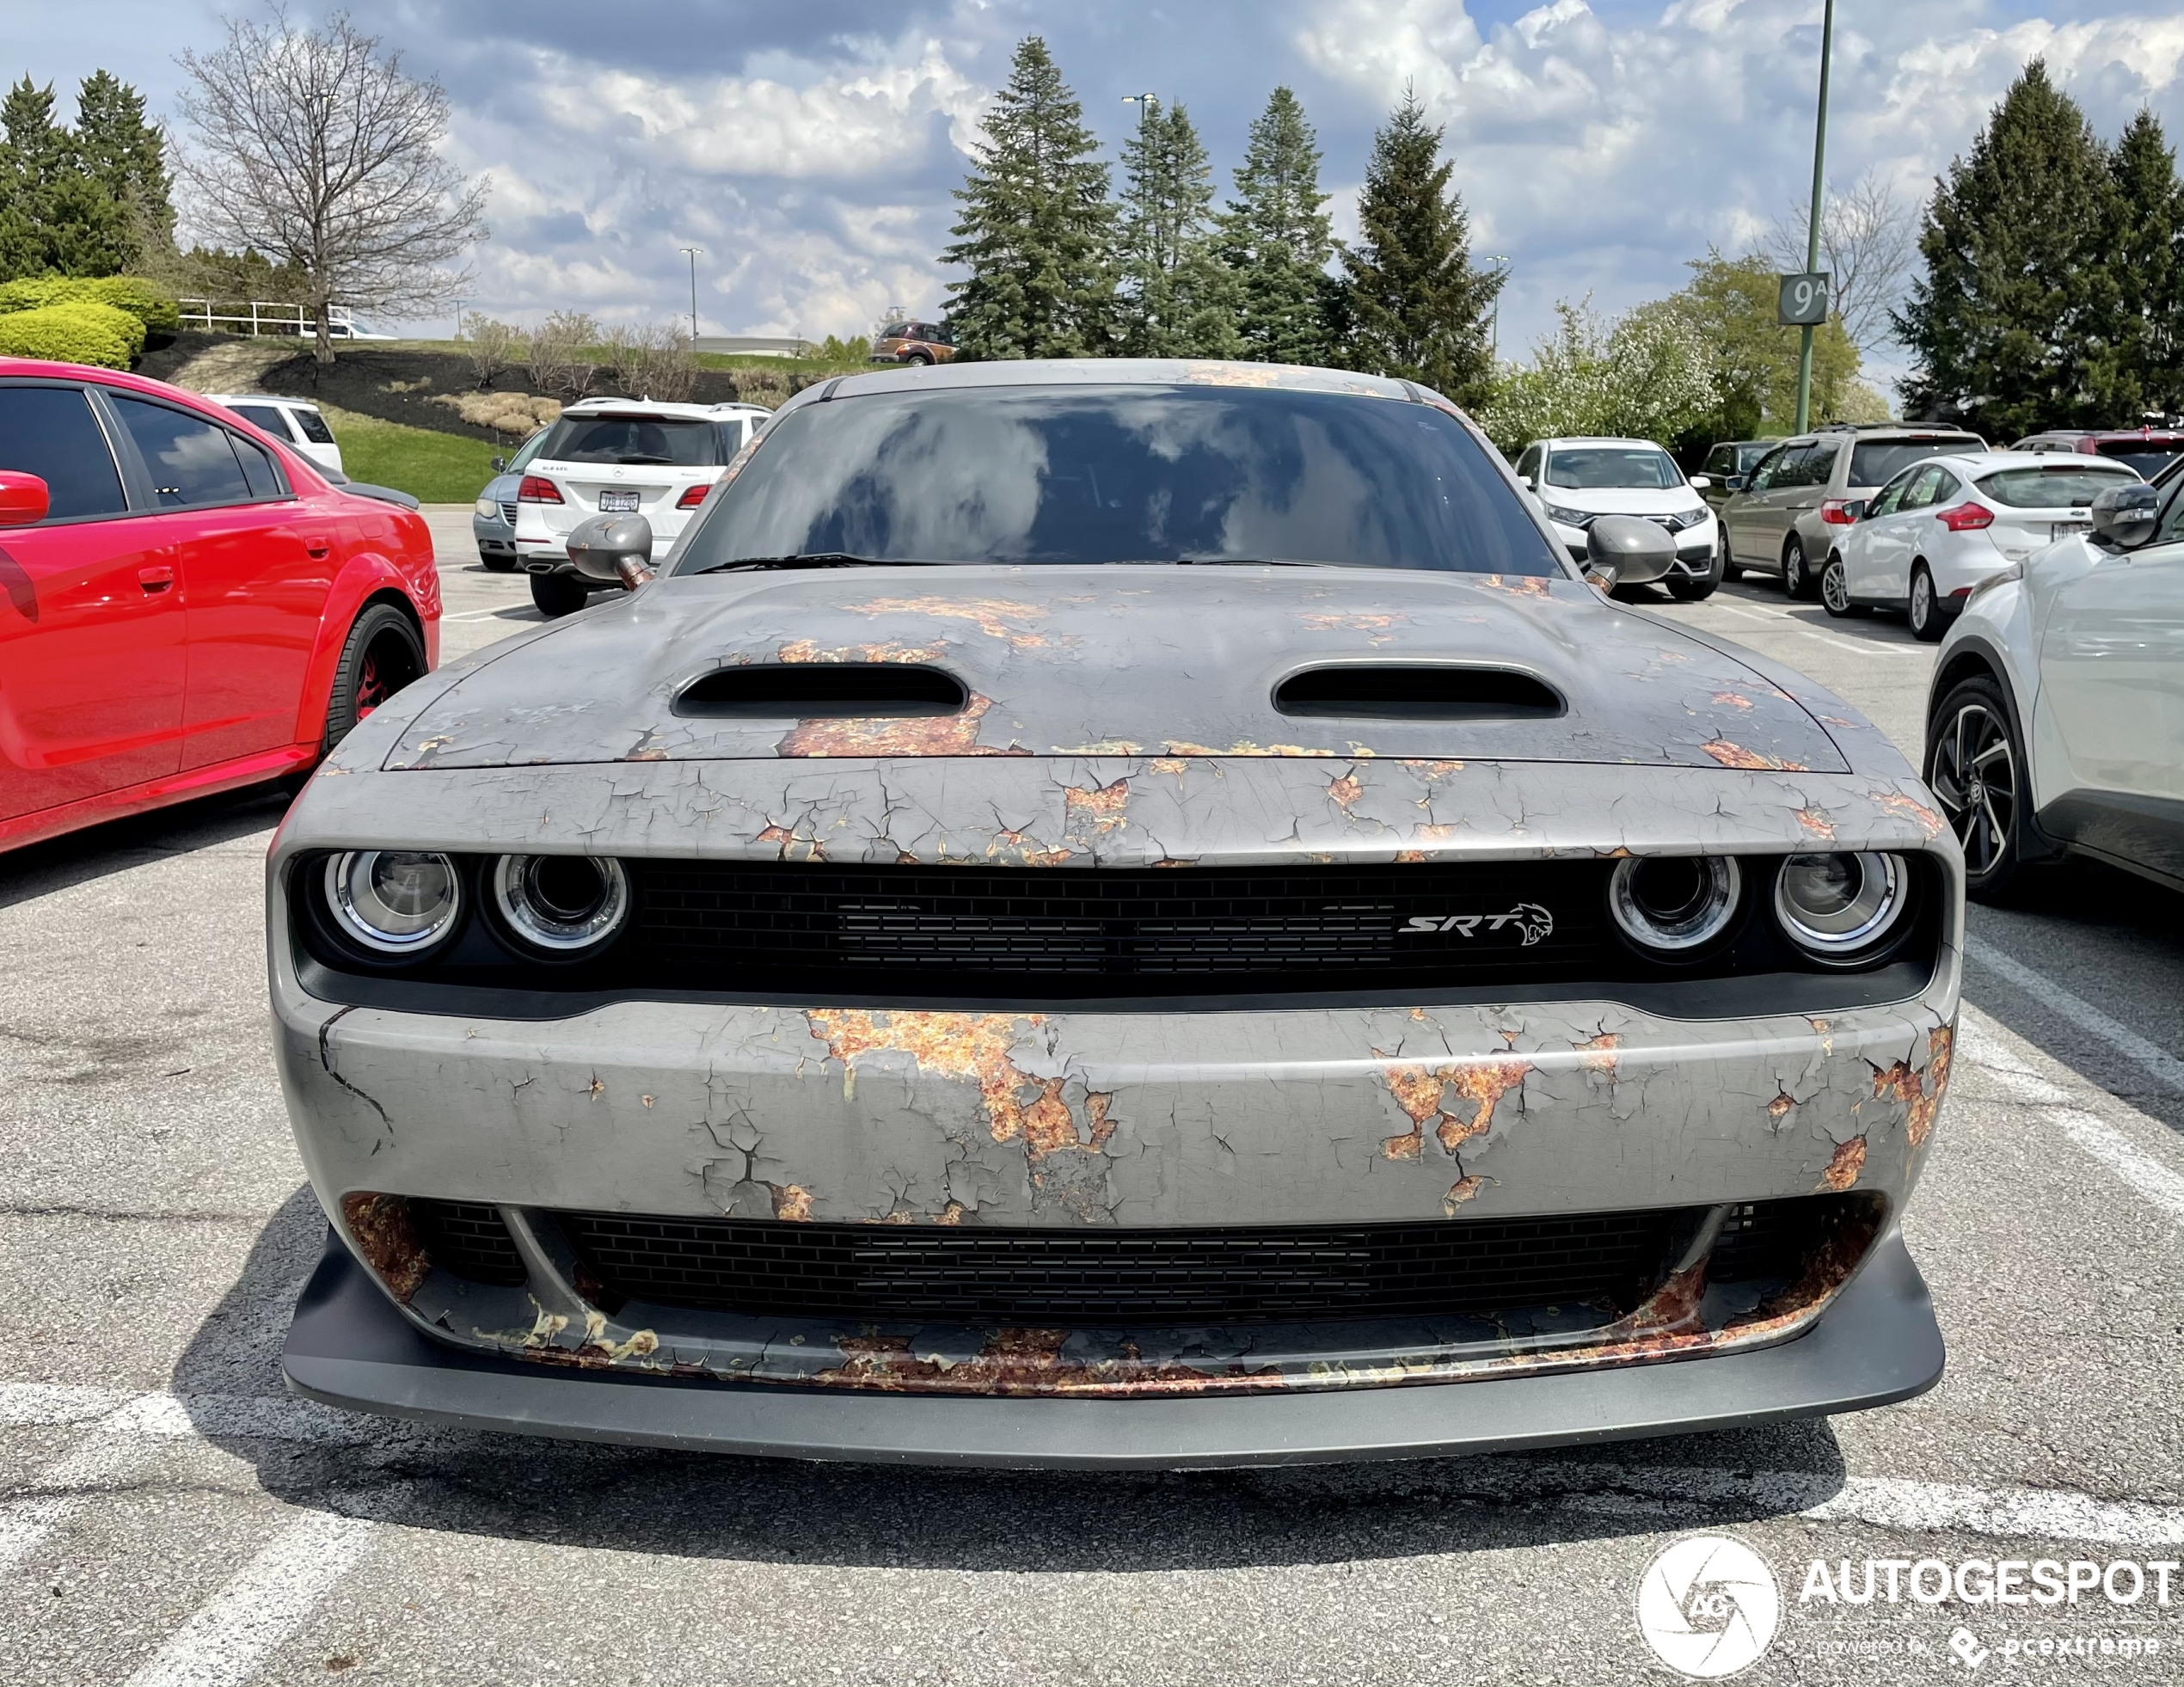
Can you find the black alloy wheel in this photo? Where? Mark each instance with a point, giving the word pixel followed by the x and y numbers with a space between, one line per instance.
pixel 1927 624
pixel 1835 590
pixel 557 595
pixel 1797 573
pixel 382 654
pixel 1974 769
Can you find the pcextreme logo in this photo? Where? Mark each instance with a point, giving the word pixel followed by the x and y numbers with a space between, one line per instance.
pixel 1709 1606
pixel 1532 922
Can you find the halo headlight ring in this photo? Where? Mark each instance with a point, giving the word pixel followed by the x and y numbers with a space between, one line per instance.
pixel 563 906
pixel 1837 907
pixel 1672 907
pixel 393 902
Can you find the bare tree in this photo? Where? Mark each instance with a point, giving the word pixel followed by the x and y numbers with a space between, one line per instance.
pixel 559 354
pixel 311 145
pixel 491 346
pixel 1866 238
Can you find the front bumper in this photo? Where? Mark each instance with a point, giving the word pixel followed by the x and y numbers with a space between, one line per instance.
pixel 1876 1344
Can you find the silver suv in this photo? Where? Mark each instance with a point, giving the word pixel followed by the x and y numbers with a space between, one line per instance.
pixel 1778 517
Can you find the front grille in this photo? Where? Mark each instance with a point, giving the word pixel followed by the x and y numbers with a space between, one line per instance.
pixel 508 514
pixel 1609 1260
pixel 923 929
pixel 467 1239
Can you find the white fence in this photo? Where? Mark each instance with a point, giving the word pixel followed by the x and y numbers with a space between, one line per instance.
pixel 269 316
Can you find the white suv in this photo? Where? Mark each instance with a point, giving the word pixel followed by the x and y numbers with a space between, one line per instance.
pixel 620 457
pixel 1576 480
pixel 296 422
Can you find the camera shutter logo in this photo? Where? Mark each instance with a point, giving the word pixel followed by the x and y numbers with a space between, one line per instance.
pixel 1709 1606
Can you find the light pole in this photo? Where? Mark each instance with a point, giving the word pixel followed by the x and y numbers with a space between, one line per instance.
pixel 459 315
pixel 1500 260
pixel 1812 228
pixel 691 252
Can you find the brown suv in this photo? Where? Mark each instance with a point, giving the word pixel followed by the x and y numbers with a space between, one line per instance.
pixel 1777 517
pixel 2148 449
pixel 914 342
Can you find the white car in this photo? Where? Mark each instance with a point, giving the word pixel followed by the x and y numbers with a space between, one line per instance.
pixel 2055 724
pixel 620 457
pixel 1576 480
pixel 296 422
pixel 1939 527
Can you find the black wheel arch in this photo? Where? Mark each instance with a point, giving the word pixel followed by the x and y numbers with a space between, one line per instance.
pixel 1973 658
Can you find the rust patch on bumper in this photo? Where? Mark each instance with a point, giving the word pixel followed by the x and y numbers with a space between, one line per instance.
pixel 1921 1093
pixel 1844 1165
pixel 381 1228
pixel 1022 1362
pixel 1735 755
pixel 1421 1091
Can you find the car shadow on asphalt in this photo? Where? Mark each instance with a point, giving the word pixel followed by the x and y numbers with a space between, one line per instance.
pixel 692 1504
pixel 94 852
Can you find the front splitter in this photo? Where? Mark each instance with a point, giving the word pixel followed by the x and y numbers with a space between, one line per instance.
pixel 1877 1343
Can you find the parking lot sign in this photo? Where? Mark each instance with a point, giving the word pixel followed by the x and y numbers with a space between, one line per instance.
pixel 1802 302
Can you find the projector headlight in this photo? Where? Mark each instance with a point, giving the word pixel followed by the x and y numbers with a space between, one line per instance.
pixel 394 901
pixel 1834 905
pixel 1672 905
pixel 565 905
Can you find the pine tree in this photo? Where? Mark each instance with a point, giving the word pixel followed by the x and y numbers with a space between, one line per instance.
pixel 2139 367
pixel 2004 326
pixel 1419 307
pixel 124 157
pixel 1178 298
pixel 1037 231
pixel 1277 237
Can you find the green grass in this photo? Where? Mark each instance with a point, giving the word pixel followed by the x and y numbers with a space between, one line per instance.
pixel 433 468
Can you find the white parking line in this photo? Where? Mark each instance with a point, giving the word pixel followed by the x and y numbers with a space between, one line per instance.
pixel 2164 1067
pixel 1790 623
pixel 269 1599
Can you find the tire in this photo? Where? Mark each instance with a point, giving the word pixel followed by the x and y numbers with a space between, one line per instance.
pixel 1976 769
pixel 1927 622
pixel 1835 591
pixel 382 654
pixel 495 564
pixel 1797 573
pixel 557 595
pixel 1689 589
pixel 918 360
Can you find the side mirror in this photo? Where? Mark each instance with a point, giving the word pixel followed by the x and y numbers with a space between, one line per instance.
pixel 1700 483
pixel 23 499
pixel 1735 482
pixel 1854 508
pixel 1628 550
pixel 2124 516
pixel 1525 481
pixel 500 465
pixel 613 551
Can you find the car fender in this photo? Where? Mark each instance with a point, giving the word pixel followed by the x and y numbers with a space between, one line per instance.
pixel 364 574
pixel 1986 638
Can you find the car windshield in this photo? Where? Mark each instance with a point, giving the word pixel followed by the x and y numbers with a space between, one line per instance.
pixel 1879 462
pixel 2052 486
pixel 1602 468
pixel 677 441
pixel 2148 457
pixel 1122 474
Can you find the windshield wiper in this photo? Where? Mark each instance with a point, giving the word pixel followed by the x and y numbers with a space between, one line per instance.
pixel 815 559
pixel 1244 562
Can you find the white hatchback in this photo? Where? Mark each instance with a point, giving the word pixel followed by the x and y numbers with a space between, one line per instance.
pixel 620 457
pixel 1942 526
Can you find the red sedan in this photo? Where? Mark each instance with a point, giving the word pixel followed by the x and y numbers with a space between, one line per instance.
pixel 185 604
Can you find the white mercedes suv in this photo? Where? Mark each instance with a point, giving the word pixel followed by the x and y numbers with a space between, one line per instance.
pixel 620 457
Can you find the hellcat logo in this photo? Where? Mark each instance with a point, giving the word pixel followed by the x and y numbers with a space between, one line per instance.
pixel 1533 923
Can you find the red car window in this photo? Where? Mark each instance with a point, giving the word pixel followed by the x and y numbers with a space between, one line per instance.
pixel 191 461
pixel 50 431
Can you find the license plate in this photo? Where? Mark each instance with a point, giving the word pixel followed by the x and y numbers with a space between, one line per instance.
pixel 618 503
pixel 2063 529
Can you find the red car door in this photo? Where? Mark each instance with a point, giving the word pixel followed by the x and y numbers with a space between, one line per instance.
pixel 91 661
pixel 255 562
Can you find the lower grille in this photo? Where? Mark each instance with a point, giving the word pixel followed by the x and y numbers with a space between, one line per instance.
pixel 1609 1260
pixel 467 1239
pixel 508 514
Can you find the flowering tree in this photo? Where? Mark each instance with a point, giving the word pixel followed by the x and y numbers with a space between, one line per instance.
pixel 1645 375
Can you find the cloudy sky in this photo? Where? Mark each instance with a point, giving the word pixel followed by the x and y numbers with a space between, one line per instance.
pixel 810 147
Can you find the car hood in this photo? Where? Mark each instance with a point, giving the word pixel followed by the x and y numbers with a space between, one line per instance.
pixel 1115 661
pixel 1623 500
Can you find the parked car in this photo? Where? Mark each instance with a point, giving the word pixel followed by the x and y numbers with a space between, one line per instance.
pixel 1782 518
pixel 1577 480
pixel 619 457
pixel 2055 722
pixel 187 604
pixel 1939 527
pixel 914 343
pixel 2148 449
pixel 492 518
pixel 926 962
pixel 296 422
pixel 1725 460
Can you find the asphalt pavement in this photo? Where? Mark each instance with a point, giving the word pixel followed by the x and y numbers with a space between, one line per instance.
pixel 169 1516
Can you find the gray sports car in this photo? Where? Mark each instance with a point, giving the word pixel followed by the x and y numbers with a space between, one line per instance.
pixel 1114 914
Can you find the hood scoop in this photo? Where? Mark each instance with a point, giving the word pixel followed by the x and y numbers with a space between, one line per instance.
pixel 1417 691
pixel 822 692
